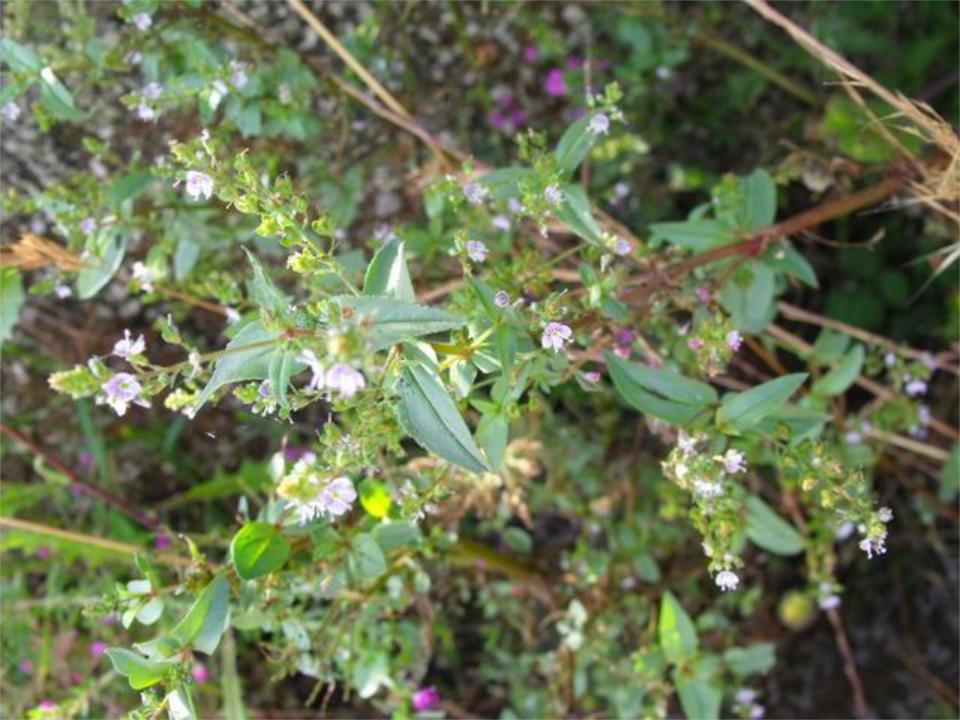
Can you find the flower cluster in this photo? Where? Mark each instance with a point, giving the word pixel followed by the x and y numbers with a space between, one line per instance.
pixel 312 494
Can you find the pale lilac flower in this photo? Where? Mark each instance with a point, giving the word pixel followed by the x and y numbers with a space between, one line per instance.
pixel 727 580
pixel 928 360
pixel 199 185
pixel 734 340
pixel 687 443
pixel 663 72
pixel 11 111
pixel 501 223
pixel 152 90
pixel 47 706
pixel 734 462
pixel 88 226
pixel 265 389
pixel 852 437
pixel 829 602
pixel 592 377
pixel 120 391
pixel 555 335
pixel 745 696
pixel 145 112
pixel 62 291
pixel 144 275
pixel 384 234
pixel 622 351
pixel 515 206
pixel 916 387
pixel 703 295
pixel 477 250
pixel 317 380
pixel 26 667
pixel 161 541
pixel 345 380
pixel 142 21
pixel 873 546
pixel 757 712
pixel 337 497
pixel 556 83
pixel 843 531
pixel 553 194
pixel 501 299
pixel 475 193
pixel 133 58
pixel 238 75
pixel 126 347
pixel 706 489
pixel 695 344
pixel 97 649
pixel 889 359
pixel 599 124
pixel 200 673
pixel 622 247
pixel 218 91
pixel 425 699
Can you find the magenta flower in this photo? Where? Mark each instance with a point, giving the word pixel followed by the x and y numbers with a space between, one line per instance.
pixel 574 63
pixel 426 699
pixel 200 673
pixel 497 119
pixel 25 666
pixel 556 83
pixel 161 541
pixel 518 117
pixel 47 706
pixel 97 649
pixel 530 53
pixel 43 553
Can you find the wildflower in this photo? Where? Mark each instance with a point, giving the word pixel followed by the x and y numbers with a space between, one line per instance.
pixel 317 380
pixel 695 344
pixel 11 111
pixel 708 490
pixel 873 546
pixel 88 226
pixel 852 437
pixel 233 317
pixel 515 206
pixel 345 380
pixel 126 347
pixel 687 443
pixel 599 124
pixel 555 335
pixel 734 340
pixel 727 580
pixel 501 299
pixel 97 649
pixel 592 377
pixel 265 389
pixel 501 223
pixel 144 275
pixel 384 234
pixel 120 391
pixel 915 388
pixel 152 90
pixel 663 72
pixel 703 295
pixel 142 21
pixel 928 360
pixel 25 666
pixel 475 193
pixel 477 250
pixel 425 699
pixel 733 462
pixel 200 673
pixel 47 706
pixel 556 83
pixel 133 58
pixel 238 76
pixel 622 247
pixel 885 514
pixel 530 53
pixel 218 91
pixel 145 112
pixel 62 291
pixel 338 496
pixel 161 541
pixel 553 194
pixel 745 696
pixel 889 359
pixel 199 185
pixel 829 602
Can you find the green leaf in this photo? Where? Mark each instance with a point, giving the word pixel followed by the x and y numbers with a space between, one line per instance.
pixel 206 620
pixel 91 280
pixel 180 704
pixel 503 183
pixel 745 409
pixel 387 274
pixel 768 530
pixel 662 393
pixel 574 145
pixel 430 416
pixel 784 258
pixel 55 97
pixel 366 560
pixel 139 671
pixel 699 698
pixel 263 291
pixel 185 257
pixel 258 549
pixel 678 636
pixel 391 320
pixel 493 431
pixel 231 688
pixel 950 475
pixel 830 345
pixel 749 297
pixel 751 660
pixel 19 57
pixel 11 299
pixel 252 364
pixel 841 377
pixel 576 214
pixel 128 187
pixel 759 199
pixel 397 534
pixel 695 235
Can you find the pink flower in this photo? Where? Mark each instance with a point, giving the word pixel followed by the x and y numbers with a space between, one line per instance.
pixel 592 376
pixel 734 340
pixel 497 119
pixel 530 53
pixel 555 335
pixel 97 649
pixel 47 706
pixel 200 673
pixel 574 63
pixel 703 294
pixel 556 83
pixel 694 343
pixel 43 553
pixel 426 699
pixel 518 117
pixel 25 666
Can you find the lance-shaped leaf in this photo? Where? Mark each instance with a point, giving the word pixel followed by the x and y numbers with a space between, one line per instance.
pixel 574 145
pixel 390 320
pixel 662 393
pixel 576 214
pixel 139 671
pixel 430 416
pixel 92 279
pixel 696 235
pixel 743 410
pixel 206 620
pixel 841 377
pixel 770 531
pixel 676 631
pixel 249 356
pixel 263 291
pixel 387 275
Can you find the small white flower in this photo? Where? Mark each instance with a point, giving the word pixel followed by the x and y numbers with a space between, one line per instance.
pixel 844 531
pixel 317 381
pixel 127 347
pixel 515 206
pixel 477 250
pixel 757 712
pixel 555 335
pixel 553 194
pixel 885 514
pixel 501 223
pixel 384 234
pixel 734 340
pixel 283 94
pixel 734 462
pixel 218 91
pixel 708 490
pixel 152 90
pixel 88 226
pixel 745 695
pixel 501 299
pixel 233 317
pixel 889 359
pixel 133 58
pixel 663 72
pixel 852 437
pixel 345 380
pixel 142 21
pixel 727 580
pixel 829 602
pixel 475 193
pixel 621 189
pixel 11 111
pixel 199 185
pixel 338 496
pixel 145 112
pixel 144 275
pixel 915 388
pixel 62 291
pixel 622 247
pixel 928 360
pixel 873 547
pixel 599 124
pixel 686 443
pixel 120 391
pixel 238 75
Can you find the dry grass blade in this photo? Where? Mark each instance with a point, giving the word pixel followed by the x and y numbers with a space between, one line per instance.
pixel 32 252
